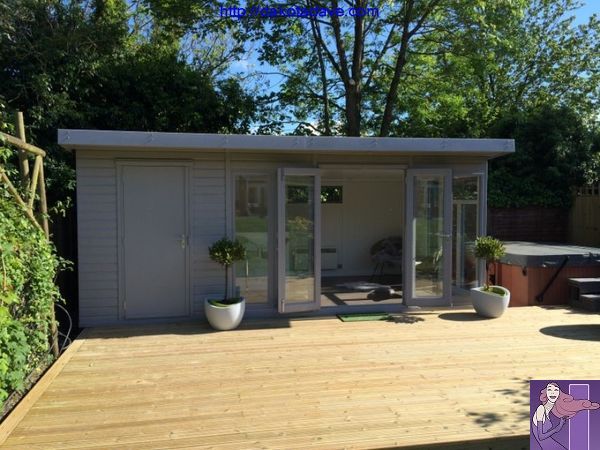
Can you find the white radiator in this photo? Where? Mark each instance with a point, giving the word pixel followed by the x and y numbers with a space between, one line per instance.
pixel 329 258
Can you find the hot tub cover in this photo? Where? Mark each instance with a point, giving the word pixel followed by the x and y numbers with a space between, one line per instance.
pixel 534 254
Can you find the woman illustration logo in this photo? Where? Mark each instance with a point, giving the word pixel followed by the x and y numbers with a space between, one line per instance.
pixel 561 405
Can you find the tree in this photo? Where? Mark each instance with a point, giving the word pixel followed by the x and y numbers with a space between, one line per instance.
pixel 430 67
pixel 336 61
pixel 555 153
pixel 109 64
pixel 507 63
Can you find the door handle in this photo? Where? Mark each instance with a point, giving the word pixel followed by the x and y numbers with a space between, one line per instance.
pixel 183 241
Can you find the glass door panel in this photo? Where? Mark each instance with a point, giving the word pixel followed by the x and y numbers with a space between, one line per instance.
pixel 428 236
pixel 465 219
pixel 252 229
pixel 299 240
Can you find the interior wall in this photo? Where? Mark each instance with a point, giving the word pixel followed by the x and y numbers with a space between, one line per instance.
pixel 372 209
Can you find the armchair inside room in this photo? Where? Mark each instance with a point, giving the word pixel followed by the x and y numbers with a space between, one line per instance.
pixel 386 253
pixel 429 266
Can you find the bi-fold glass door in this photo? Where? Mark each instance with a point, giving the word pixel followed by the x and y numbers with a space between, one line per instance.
pixel 253 225
pixel 299 240
pixel 428 236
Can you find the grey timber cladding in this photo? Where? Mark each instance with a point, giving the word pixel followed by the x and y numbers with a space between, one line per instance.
pixel 97 209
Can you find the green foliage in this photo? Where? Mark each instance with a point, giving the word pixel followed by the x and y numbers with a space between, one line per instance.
pixel 153 89
pixel 555 152
pixel 490 249
pixel 332 194
pixel 114 65
pixel 497 290
pixel 468 64
pixel 28 265
pixel 224 303
pixel 225 252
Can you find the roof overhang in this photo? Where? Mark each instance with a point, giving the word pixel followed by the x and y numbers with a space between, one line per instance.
pixel 142 140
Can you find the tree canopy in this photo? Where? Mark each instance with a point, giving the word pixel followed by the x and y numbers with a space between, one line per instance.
pixel 109 65
pixel 451 68
pixel 427 67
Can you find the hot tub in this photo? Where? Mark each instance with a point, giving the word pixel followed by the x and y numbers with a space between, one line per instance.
pixel 538 273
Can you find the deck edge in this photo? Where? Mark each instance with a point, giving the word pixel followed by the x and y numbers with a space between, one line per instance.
pixel 514 442
pixel 11 421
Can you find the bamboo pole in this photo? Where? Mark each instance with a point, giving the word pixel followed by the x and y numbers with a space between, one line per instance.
pixel 43 203
pixel 23 145
pixel 34 180
pixel 44 214
pixel 23 161
pixel 17 197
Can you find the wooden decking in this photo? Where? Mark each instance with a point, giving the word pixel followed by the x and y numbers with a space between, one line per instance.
pixel 432 378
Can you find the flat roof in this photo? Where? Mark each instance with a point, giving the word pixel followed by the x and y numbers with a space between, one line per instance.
pixel 130 140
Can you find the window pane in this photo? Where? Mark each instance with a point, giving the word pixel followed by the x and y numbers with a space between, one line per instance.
pixel 465 216
pixel 299 227
pixel 251 228
pixel 429 218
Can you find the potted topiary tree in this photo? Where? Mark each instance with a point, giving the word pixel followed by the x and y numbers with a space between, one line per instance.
pixel 489 300
pixel 225 313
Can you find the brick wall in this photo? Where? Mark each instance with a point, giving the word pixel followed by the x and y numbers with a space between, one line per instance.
pixel 528 224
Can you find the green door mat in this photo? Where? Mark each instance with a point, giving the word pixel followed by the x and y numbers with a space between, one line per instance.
pixel 358 317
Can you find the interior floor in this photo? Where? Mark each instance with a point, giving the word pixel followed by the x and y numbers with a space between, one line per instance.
pixel 361 291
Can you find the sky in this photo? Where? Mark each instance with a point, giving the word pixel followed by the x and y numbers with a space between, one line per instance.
pixel 584 13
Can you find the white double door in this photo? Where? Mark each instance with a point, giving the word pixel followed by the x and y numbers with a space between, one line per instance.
pixel 427 238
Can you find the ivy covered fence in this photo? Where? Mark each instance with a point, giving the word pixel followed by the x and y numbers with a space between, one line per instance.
pixel 28 268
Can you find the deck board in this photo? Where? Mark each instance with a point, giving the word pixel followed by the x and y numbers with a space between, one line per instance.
pixel 448 379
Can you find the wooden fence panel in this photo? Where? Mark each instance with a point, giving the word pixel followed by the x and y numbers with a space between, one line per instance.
pixel 535 224
pixel 584 218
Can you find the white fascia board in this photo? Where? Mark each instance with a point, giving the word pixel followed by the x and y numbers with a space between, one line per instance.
pixel 98 140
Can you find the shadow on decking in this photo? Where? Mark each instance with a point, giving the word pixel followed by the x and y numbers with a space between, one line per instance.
pixel 405 318
pixel 519 396
pixel 584 332
pixel 462 317
pixel 182 328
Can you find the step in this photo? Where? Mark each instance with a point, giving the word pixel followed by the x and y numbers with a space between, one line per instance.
pixel 589 302
pixel 586 285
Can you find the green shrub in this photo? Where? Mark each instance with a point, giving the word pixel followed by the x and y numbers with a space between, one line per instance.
pixel 556 151
pixel 225 252
pixel 491 250
pixel 28 266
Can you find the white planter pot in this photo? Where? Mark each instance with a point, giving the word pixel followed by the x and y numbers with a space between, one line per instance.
pixel 224 317
pixel 490 304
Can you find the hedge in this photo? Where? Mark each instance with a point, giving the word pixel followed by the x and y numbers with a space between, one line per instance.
pixel 28 267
